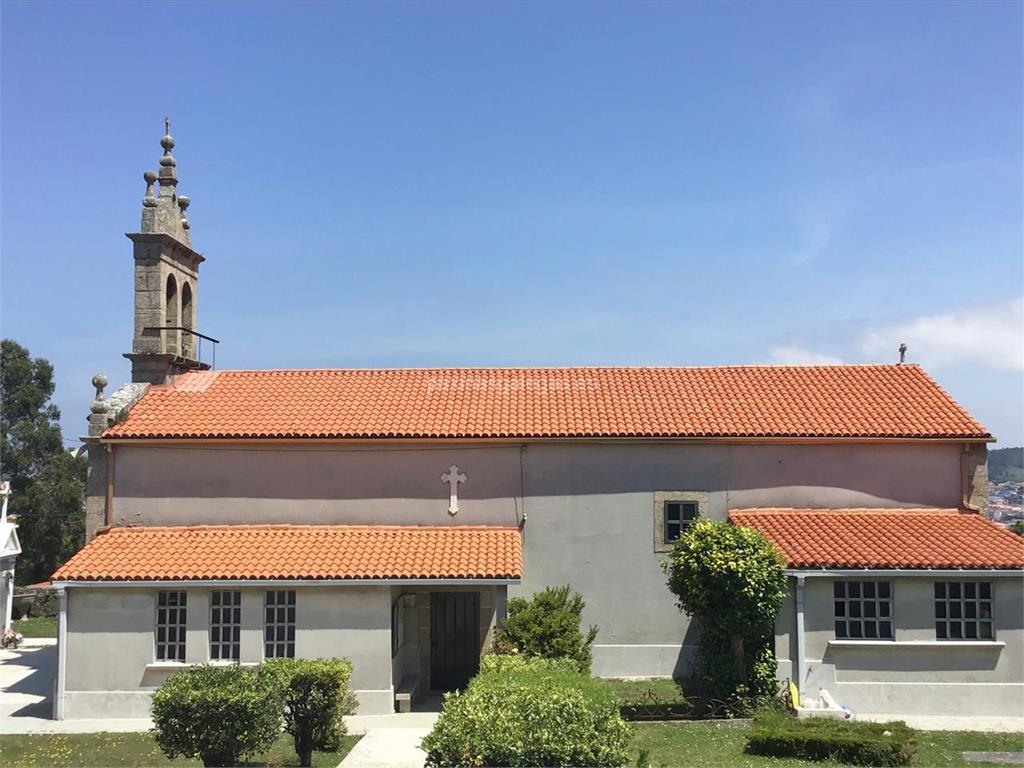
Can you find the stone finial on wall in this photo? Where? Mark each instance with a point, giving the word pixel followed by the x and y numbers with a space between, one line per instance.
pixel 99 410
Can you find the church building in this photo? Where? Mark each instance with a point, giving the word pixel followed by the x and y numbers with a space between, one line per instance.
pixel 387 515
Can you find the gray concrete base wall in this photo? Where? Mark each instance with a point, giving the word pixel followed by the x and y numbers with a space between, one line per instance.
pixel 914 673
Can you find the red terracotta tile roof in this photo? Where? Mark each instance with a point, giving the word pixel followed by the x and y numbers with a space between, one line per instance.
pixel 885 538
pixel 871 401
pixel 298 552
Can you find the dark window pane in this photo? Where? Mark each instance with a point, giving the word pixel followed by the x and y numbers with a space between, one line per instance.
pixel 672 531
pixel 955 610
pixel 940 630
pixel 985 609
pixel 869 589
pixel 985 590
pixel 161 598
pixel 291 613
pixel 853 589
pixel 940 610
pixel 841 629
pixel 940 590
pixel 985 630
pixel 883 590
pixel 970 610
pixel 269 613
pixel 291 633
pixel 856 630
pixel 673 513
pixel 268 651
pixel 969 590
pixel 954 590
pixel 839 588
pixel 291 598
pixel 883 608
pixel 885 629
pixel 840 608
pixel 690 512
pixel 955 630
pixel 869 610
pixel 854 609
pixel 870 629
pixel 971 630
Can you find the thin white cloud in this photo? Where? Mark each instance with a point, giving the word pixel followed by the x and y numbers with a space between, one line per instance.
pixel 990 335
pixel 799 356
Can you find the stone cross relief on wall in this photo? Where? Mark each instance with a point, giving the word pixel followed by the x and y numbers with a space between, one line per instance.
pixel 453 477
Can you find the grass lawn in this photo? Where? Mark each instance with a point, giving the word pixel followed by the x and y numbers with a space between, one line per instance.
pixel 36 626
pixel 97 750
pixel 721 744
pixel 631 691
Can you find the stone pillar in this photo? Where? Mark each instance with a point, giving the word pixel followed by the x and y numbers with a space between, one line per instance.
pixel 975 475
pixel 96 477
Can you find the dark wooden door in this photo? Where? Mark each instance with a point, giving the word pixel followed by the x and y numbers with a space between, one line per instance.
pixel 454 639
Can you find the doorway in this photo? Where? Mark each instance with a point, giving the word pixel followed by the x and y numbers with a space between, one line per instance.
pixel 454 639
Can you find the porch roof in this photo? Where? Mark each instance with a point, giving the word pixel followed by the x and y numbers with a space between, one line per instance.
pixel 289 552
pixel 886 538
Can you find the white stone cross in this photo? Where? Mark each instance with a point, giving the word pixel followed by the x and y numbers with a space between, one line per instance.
pixel 453 477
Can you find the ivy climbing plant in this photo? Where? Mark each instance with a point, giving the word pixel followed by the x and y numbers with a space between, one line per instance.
pixel 733 580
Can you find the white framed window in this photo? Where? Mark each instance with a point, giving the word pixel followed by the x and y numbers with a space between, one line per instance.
pixel 225 625
pixel 679 515
pixel 963 610
pixel 279 624
pixel 863 610
pixel 171 613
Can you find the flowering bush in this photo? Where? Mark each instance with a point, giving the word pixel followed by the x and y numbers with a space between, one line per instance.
pixel 733 579
pixel 11 639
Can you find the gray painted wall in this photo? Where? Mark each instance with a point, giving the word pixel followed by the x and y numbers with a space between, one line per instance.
pixel 590 506
pixel 112 671
pixel 941 678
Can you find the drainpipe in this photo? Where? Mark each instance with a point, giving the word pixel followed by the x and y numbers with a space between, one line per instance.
pixel 799 661
pixel 62 653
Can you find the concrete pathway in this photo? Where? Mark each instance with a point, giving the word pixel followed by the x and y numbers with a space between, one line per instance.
pixel 397 747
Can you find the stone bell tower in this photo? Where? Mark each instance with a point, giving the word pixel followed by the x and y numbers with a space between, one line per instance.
pixel 166 279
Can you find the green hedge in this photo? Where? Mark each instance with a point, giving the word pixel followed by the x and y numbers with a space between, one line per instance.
pixel 217 714
pixel 529 712
pixel 778 734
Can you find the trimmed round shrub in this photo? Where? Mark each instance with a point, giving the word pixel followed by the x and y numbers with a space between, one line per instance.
pixel 316 696
pixel 547 625
pixel 217 714
pixel 529 712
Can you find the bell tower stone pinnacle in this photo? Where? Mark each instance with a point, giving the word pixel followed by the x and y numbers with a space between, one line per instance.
pixel 166 278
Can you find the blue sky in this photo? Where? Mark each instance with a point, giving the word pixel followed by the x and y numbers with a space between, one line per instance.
pixel 516 184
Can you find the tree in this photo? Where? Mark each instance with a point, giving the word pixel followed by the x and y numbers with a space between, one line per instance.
pixel 1017 526
pixel 316 697
pixel 47 482
pixel 733 580
pixel 547 625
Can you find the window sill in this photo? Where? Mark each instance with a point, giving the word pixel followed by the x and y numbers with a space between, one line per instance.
pixel 159 666
pixel 916 643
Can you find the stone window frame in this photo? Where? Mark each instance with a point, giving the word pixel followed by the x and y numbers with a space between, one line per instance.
pixel 700 498
pixel 964 628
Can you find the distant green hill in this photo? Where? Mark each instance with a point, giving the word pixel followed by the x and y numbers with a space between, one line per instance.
pixel 1006 465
